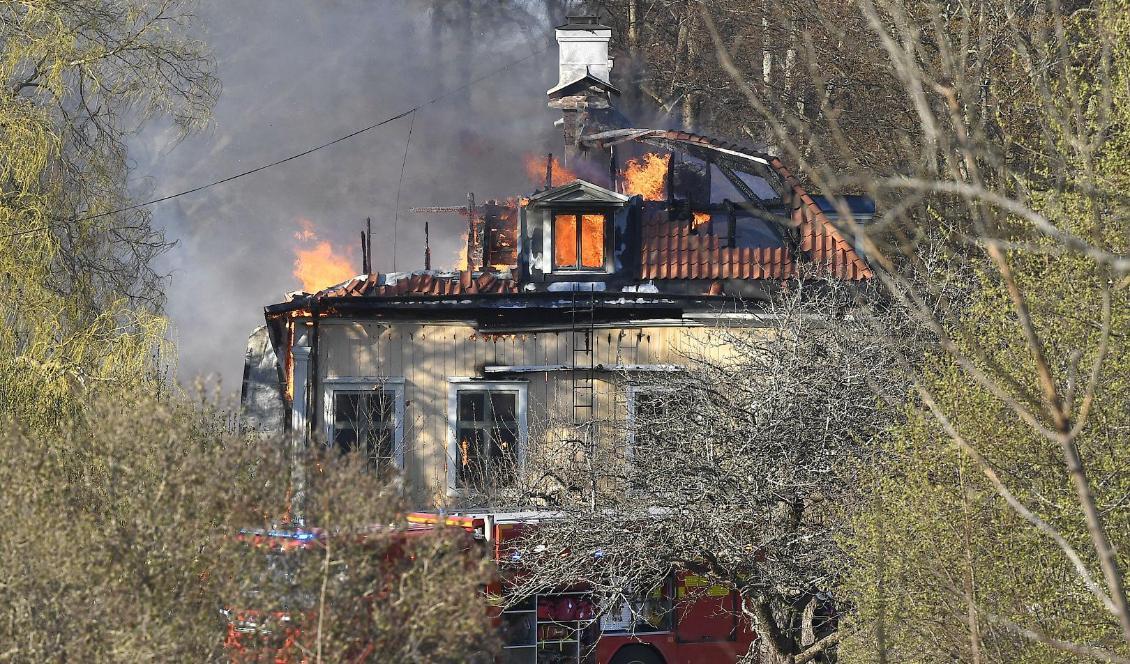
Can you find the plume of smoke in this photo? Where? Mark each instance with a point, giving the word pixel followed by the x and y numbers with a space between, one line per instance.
pixel 297 73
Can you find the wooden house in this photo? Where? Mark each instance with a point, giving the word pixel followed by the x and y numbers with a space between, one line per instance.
pixel 575 298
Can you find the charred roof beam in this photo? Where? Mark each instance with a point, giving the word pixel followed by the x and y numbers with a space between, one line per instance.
pixel 700 147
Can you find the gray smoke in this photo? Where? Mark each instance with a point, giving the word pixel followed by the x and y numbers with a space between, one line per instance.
pixel 297 73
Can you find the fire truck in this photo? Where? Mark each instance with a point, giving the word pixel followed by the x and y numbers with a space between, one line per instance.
pixel 683 621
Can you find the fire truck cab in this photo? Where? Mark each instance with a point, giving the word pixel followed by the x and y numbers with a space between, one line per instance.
pixel 687 620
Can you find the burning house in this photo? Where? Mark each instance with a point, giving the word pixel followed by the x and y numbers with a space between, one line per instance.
pixel 571 299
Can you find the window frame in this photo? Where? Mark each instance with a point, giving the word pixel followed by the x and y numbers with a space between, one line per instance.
pixel 459 384
pixel 578 213
pixel 633 393
pixel 331 386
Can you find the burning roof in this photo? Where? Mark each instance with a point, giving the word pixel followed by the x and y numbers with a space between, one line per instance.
pixel 441 284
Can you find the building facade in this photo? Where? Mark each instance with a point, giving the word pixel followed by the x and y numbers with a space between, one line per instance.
pixel 575 299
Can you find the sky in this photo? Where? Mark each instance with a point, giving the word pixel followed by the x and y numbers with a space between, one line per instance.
pixel 298 73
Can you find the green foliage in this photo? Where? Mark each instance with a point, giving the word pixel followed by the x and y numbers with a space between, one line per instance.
pixel 79 297
pixel 115 533
pixel 121 545
pixel 942 563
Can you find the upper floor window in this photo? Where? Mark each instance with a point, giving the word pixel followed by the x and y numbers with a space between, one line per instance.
pixel 365 416
pixel 578 241
pixel 647 417
pixel 488 432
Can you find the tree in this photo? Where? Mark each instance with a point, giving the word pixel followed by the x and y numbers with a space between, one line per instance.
pixel 116 531
pixel 1016 155
pixel 80 297
pixel 1010 466
pixel 122 543
pixel 739 468
pixel 991 134
pixel 372 588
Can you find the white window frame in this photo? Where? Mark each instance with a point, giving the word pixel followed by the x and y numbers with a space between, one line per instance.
pixel 457 385
pixel 357 384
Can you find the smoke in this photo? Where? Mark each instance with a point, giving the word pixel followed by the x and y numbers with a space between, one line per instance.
pixel 297 73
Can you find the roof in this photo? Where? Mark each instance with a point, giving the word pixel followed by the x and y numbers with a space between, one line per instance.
pixel 425 283
pixel 582 82
pixel 579 190
pixel 670 248
pixel 673 250
pixel 582 22
pixel 820 240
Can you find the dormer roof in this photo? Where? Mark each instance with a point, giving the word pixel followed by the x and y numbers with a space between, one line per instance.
pixel 579 192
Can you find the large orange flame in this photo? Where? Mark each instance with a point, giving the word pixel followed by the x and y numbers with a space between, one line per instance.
pixel 535 168
pixel 646 176
pixel 699 219
pixel 317 264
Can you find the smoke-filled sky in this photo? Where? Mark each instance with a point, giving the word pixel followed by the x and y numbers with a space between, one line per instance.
pixel 297 73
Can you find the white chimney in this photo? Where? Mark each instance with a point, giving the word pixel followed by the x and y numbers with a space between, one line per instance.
pixel 583 47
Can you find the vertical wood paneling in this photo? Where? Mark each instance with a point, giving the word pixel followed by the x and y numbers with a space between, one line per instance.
pixel 426 356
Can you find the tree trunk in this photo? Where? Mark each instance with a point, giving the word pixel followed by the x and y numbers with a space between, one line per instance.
pixel 779 648
pixel 690 100
pixel 633 28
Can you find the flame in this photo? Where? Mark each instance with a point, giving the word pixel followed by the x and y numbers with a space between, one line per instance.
pixel 535 168
pixel 461 254
pixel 699 219
pixel 317 264
pixel 646 176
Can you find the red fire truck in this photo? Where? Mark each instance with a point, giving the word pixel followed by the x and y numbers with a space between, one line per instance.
pixel 686 620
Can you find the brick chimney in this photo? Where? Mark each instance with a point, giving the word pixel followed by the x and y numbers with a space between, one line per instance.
pixel 584 83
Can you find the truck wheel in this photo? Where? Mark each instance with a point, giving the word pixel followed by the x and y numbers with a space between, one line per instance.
pixel 636 655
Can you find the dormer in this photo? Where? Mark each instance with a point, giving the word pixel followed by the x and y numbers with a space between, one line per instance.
pixel 573 233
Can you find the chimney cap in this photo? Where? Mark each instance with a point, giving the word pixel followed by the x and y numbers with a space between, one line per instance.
pixel 582 22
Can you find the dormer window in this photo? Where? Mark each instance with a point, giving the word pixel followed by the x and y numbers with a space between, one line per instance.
pixel 570 232
pixel 578 240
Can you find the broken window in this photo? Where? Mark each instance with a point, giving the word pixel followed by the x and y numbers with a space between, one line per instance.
pixel 722 189
pixel 741 231
pixel 489 430
pixel 364 419
pixel 578 241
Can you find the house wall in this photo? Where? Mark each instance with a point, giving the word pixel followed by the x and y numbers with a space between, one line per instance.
pixel 428 356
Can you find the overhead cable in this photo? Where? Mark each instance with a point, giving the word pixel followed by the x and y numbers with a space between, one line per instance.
pixel 298 155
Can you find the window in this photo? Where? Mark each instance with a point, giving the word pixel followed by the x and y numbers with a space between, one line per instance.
pixel 647 410
pixel 578 241
pixel 645 613
pixel 487 434
pixel 365 416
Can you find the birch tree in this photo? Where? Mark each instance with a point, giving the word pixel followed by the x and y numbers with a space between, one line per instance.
pixel 1016 152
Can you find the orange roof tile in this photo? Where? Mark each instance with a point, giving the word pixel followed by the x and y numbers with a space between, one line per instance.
pixel 421 283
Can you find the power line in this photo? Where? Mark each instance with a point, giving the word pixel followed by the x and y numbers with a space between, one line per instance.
pixel 298 155
pixel 396 210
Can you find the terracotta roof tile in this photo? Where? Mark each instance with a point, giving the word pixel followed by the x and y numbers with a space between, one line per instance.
pixel 671 250
pixel 426 284
pixel 664 249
